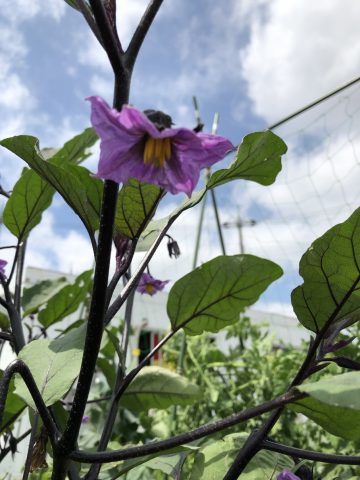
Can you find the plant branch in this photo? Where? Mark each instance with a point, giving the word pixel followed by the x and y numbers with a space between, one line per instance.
pixel 187 437
pixel 19 276
pixel 108 426
pixel 310 455
pixel 4 192
pixel 140 33
pixel 9 449
pixel 130 376
pixel 87 14
pixel 6 336
pixel 18 366
pixel 11 421
pixel 14 316
pixel 110 39
pixel 95 324
pixel 32 440
pixel 95 321
pixel 14 263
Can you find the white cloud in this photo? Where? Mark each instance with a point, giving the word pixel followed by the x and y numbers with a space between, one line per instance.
pixel 67 252
pixel 299 51
pixel 18 11
pixel 13 93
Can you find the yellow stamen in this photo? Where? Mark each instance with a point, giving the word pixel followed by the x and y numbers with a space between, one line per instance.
pixel 149 288
pixel 157 151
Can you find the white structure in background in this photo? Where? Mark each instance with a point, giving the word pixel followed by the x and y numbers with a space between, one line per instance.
pixel 150 320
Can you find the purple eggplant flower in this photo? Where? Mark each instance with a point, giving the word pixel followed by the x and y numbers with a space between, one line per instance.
pixel 287 475
pixel 150 285
pixel 144 146
pixel 3 264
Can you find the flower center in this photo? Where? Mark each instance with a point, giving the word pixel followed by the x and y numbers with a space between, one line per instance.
pixel 149 288
pixel 157 151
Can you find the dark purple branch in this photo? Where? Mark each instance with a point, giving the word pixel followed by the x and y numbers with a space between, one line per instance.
pixel 94 400
pixel 110 40
pixel 310 455
pixel 14 316
pixel 14 263
pixel 18 366
pixel 4 193
pixel 140 33
pixel 6 336
pixel 19 276
pixel 95 324
pixel 11 420
pixel 95 321
pixel 130 376
pixel 187 437
pixel 8 449
pixel 87 14
pixel 8 246
pixel 32 440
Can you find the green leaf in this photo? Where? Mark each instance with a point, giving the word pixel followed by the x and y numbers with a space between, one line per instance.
pixel 71 181
pixel 157 387
pixel 162 462
pixel 40 293
pixel 66 301
pixel 4 319
pixel 72 4
pixel 213 461
pixel 136 204
pixel 30 197
pixel 107 369
pixel 54 365
pixel 333 403
pixel 331 272
pixel 149 235
pixel 212 296
pixel 169 464
pixel 258 159
pixel 76 150
pixel 13 406
pixel 93 188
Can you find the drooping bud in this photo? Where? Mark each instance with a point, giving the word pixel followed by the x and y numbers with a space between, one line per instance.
pixel 173 248
pixel 123 250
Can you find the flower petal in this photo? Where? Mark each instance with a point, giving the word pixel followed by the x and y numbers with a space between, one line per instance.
pixel 214 148
pixel 150 285
pixel 123 135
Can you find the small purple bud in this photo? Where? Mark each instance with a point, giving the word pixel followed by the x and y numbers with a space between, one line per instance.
pixel 123 250
pixel 85 419
pixel 3 264
pixel 287 475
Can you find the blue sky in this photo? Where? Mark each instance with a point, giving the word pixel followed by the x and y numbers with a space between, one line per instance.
pixel 253 61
